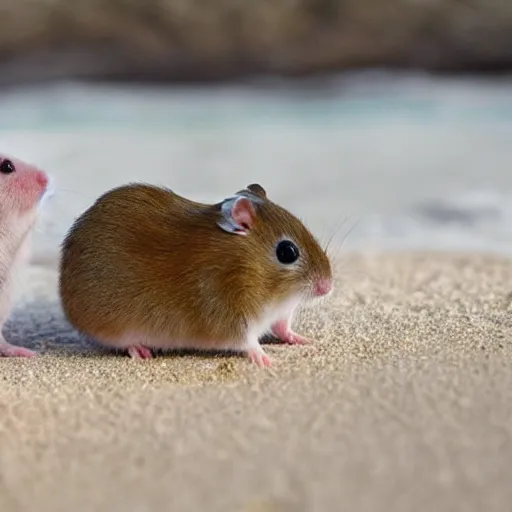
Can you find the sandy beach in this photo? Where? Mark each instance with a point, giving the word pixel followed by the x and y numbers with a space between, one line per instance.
pixel 404 403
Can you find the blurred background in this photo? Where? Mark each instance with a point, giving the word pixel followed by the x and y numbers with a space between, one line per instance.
pixel 389 122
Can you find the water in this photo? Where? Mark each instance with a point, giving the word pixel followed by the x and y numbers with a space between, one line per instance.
pixel 407 160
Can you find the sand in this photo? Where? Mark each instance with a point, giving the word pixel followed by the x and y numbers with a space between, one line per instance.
pixel 404 403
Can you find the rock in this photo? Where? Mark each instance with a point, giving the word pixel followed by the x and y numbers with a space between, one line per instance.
pixel 192 40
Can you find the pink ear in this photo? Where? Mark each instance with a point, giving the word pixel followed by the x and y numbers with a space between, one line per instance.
pixel 243 213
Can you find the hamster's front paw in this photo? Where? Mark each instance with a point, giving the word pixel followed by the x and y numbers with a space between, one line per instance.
pixel 282 331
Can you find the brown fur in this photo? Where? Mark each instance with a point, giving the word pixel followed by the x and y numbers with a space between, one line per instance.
pixel 144 259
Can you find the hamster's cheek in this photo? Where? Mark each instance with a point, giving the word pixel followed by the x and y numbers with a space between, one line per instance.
pixel 287 287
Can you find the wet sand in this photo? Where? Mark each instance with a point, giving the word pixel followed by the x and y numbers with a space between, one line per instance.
pixel 404 403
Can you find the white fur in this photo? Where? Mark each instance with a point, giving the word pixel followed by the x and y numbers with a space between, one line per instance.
pixel 15 234
pixel 271 314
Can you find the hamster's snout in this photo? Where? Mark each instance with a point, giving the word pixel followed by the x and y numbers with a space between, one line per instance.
pixel 42 179
pixel 28 187
pixel 322 287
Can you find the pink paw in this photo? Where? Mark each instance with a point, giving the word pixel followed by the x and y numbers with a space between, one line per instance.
pixel 281 330
pixel 8 350
pixel 258 356
pixel 140 352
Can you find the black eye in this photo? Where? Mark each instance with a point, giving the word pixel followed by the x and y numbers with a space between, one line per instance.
pixel 287 252
pixel 7 167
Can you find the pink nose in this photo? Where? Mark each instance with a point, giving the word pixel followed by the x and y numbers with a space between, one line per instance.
pixel 42 179
pixel 323 287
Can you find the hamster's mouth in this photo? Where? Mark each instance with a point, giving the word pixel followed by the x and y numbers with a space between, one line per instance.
pixel 318 291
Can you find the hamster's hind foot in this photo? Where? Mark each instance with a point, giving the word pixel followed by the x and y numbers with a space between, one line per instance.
pixel 258 356
pixel 8 350
pixel 139 352
pixel 282 331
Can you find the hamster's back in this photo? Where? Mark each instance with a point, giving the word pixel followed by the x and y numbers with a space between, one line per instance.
pixel 123 226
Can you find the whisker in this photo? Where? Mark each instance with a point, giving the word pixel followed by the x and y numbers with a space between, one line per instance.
pixel 339 224
pixel 71 191
pixel 327 245
pixel 335 254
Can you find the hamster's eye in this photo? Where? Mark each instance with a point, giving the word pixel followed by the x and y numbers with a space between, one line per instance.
pixel 7 167
pixel 287 252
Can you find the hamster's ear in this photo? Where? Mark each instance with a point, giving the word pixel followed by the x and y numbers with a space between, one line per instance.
pixel 237 215
pixel 253 190
pixel 257 189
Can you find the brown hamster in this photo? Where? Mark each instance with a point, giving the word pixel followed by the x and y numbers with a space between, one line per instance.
pixel 145 268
